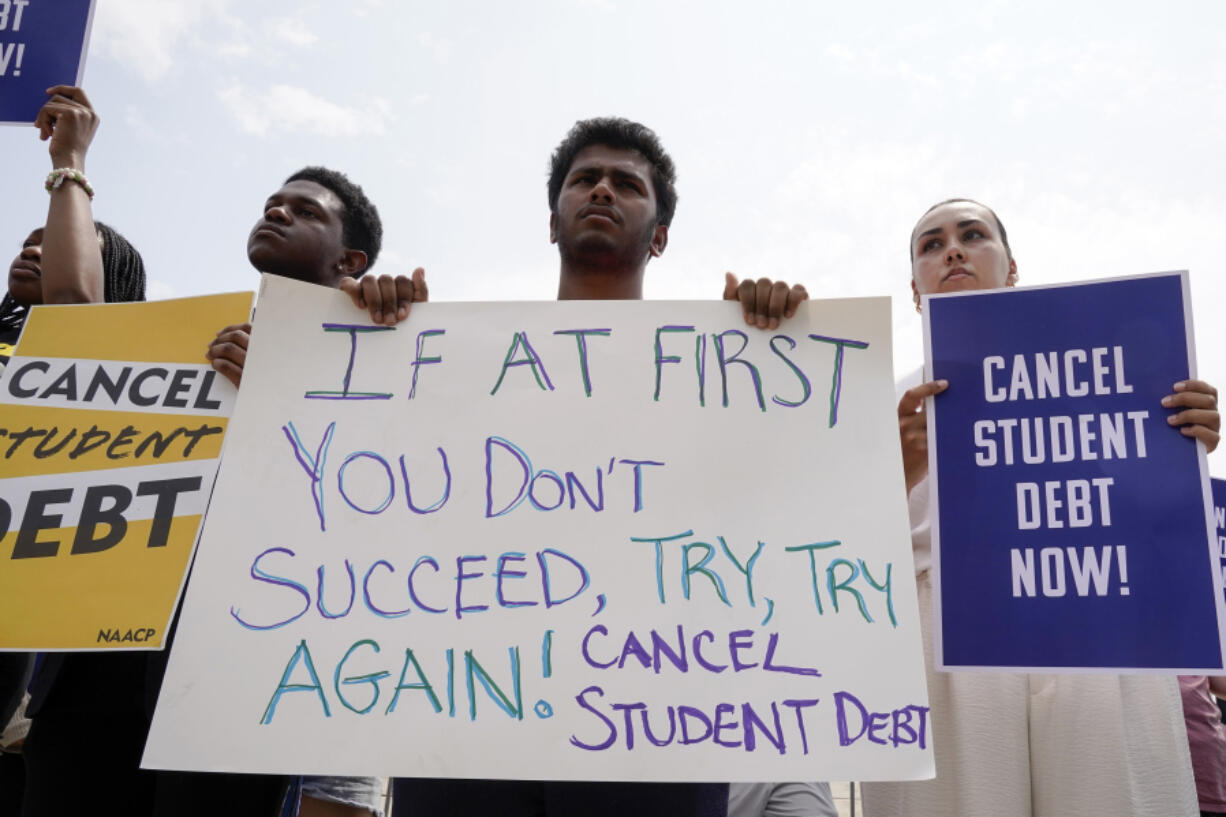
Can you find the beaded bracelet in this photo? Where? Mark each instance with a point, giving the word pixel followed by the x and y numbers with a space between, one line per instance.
pixel 56 178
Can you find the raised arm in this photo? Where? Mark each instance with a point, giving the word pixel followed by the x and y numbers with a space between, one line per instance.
pixel 71 253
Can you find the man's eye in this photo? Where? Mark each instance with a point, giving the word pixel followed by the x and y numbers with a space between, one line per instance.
pixel 305 213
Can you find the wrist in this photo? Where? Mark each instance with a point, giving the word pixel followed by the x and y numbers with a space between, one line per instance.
pixel 72 159
pixel 59 176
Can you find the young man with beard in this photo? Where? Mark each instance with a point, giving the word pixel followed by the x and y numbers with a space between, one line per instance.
pixel 612 196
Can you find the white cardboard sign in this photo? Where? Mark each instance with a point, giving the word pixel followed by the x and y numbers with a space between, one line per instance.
pixel 582 540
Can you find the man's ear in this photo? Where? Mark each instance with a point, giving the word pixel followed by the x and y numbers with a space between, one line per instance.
pixel 553 228
pixel 353 263
pixel 659 240
pixel 1011 278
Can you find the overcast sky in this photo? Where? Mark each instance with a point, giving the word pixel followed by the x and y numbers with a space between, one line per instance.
pixel 808 136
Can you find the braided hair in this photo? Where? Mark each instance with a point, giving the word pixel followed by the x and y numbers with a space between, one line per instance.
pixel 123 269
pixel 12 314
pixel 123 273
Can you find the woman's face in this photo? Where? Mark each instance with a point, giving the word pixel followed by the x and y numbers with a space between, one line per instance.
pixel 26 274
pixel 957 247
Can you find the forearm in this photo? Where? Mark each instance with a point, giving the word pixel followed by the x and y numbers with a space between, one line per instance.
pixel 72 255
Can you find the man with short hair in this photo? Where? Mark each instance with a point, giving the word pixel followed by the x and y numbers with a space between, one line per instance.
pixel 612 195
pixel 319 228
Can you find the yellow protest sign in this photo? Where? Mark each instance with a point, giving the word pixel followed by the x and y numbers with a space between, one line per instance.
pixel 111 422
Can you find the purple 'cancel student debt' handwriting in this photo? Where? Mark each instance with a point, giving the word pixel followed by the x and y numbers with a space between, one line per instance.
pixel 778 725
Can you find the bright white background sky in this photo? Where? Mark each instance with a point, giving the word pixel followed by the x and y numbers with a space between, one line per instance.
pixel 809 136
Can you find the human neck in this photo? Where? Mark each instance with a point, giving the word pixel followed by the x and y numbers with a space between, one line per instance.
pixel 325 277
pixel 583 283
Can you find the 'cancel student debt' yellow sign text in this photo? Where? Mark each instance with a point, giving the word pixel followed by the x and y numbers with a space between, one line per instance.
pixel 111 422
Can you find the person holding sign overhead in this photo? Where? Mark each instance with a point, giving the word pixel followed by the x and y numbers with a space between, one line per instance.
pixel 73 259
pixel 1016 744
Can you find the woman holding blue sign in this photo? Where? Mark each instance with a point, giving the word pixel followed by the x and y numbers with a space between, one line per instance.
pixel 1015 744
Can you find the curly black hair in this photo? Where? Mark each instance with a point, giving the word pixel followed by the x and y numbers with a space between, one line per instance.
pixel 622 134
pixel 123 277
pixel 361 227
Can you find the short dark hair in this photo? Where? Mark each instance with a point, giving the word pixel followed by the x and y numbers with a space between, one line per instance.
pixel 621 134
pixel 361 228
pixel 1004 237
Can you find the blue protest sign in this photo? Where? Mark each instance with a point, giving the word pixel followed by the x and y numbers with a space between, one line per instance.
pixel 1072 525
pixel 42 43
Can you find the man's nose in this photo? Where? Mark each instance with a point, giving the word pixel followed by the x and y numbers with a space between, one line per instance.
pixel 34 252
pixel 278 213
pixel 602 192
